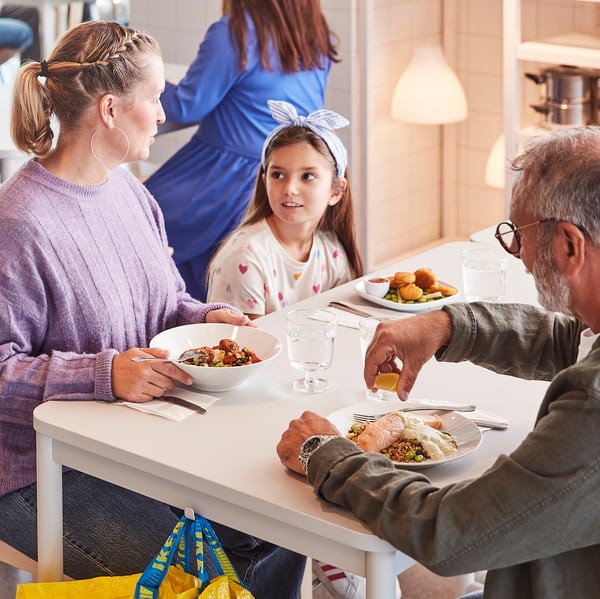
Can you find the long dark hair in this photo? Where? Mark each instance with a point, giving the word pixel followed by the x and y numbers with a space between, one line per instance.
pixel 297 30
pixel 338 219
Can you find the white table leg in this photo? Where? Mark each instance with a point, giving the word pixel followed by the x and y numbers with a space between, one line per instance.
pixel 49 513
pixel 306 590
pixel 381 575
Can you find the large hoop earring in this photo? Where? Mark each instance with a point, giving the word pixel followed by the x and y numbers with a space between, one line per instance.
pixel 93 151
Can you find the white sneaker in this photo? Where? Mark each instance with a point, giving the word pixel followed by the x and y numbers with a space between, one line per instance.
pixel 341 584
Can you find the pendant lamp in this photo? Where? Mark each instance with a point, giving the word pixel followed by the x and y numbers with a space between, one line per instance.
pixel 428 91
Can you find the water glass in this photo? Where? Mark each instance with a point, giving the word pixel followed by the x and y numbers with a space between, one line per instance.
pixel 484 273
pixel 310 335
pixel 366 329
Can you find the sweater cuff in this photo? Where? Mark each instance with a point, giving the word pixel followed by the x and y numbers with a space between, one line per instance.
pixel 217 306
pixel 103 375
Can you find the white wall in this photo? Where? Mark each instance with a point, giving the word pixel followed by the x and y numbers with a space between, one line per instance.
pixel 396 167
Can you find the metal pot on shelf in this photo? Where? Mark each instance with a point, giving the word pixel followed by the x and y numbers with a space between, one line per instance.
pixel 570 96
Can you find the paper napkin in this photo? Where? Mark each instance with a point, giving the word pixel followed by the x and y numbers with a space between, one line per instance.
pixel 172 411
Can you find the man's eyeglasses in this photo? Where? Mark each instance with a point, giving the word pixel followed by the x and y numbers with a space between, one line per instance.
pixel 509 237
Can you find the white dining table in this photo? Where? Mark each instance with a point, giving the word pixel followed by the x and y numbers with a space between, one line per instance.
pixel 223 464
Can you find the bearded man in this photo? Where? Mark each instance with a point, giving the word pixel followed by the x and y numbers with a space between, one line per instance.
pixel 532 519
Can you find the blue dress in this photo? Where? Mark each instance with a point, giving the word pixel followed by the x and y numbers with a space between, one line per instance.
pixel 205 187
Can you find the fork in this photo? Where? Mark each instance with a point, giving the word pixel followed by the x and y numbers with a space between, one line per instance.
pixel 358 417
pixel 495 424
pixel 153 359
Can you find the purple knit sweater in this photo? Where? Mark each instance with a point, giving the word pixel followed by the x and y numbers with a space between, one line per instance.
pixel 85 274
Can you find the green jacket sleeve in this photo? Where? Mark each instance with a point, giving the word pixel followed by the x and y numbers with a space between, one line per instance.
pixel 516 339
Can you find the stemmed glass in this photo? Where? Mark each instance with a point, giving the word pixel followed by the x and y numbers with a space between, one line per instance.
pixel 310 335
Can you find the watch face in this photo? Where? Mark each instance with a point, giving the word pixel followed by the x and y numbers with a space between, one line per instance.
pixel 311 444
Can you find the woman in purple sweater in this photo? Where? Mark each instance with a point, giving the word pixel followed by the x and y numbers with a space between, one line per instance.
pixel 86 280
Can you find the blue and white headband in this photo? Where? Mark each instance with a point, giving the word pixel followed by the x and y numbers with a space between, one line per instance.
pixel 321 122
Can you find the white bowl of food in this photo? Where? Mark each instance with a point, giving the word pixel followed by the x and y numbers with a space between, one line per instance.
pixel 377 286
pixel 230 364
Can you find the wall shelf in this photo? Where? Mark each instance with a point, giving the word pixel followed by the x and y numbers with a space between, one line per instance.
pixel 577 49
pixel 552 52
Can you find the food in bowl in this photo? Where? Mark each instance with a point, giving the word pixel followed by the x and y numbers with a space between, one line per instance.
pixel 228 353
pixel 180 339
pixel 404 438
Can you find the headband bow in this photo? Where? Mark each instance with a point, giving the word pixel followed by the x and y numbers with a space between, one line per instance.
pixel 321 122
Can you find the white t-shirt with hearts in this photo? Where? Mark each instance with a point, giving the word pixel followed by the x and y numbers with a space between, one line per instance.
pixel 254 273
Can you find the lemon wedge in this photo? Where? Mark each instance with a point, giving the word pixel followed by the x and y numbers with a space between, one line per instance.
pixel 387 381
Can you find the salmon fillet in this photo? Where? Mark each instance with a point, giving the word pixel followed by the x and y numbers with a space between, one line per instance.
pixel 382 433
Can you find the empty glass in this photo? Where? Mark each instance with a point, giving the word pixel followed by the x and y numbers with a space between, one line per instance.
pixel 310 335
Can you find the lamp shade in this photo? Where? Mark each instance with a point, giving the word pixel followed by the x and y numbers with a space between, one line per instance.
pixel 429 91
pixel 495 168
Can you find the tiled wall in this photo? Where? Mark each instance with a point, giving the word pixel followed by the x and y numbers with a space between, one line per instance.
pixel 404 166
pixel 480 67
pixel 396 167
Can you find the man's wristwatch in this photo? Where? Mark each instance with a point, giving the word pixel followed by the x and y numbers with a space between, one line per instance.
pixel 310 446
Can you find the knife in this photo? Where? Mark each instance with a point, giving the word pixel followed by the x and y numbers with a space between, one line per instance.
pixel 358 311
pixel 184 403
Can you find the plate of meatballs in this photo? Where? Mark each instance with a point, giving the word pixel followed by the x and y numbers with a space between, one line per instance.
pixel 418 291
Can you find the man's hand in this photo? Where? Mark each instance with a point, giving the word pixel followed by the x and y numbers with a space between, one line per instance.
pixel 299 430
pixel 413 341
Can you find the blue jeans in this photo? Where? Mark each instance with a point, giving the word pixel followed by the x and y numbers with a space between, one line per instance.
pixel 109 530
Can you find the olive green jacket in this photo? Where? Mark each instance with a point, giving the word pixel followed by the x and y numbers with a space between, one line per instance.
pixel 533 519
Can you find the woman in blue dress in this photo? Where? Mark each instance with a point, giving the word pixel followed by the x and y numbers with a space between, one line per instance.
pixel 259 50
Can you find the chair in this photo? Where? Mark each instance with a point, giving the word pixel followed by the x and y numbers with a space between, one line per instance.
pixel 11 556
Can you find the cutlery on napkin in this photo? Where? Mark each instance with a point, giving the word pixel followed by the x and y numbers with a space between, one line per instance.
pixel 179 403
pixel 364 311
pixel 349 315
pixel 487 419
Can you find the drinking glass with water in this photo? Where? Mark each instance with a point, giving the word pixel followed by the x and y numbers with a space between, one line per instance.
pixel 310 336
pixel 484 274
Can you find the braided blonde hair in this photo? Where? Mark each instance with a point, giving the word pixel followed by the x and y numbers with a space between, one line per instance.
pixel 88 61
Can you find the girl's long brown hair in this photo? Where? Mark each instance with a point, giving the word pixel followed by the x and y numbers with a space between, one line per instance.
pixel 297 30
pixel 338 219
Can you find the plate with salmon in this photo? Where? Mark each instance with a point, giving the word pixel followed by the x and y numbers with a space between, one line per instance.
pixel 416 439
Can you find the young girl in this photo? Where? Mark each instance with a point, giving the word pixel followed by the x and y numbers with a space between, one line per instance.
pixel 298 237
pixel 259 49
pixel 296 240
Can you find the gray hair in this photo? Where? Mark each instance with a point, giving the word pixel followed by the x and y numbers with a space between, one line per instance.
pixel 558 177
